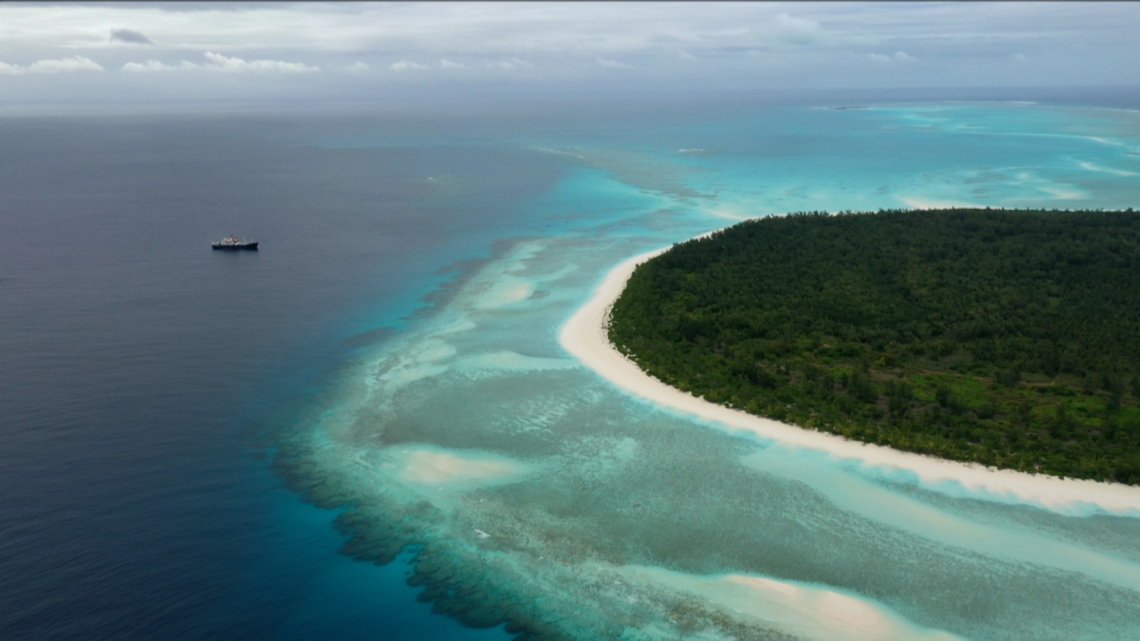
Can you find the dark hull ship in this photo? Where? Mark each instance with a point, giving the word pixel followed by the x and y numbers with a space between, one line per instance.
pixel 233 243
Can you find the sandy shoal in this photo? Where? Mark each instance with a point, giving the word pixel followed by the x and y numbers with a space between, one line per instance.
pixel 584 336
pixel 799 609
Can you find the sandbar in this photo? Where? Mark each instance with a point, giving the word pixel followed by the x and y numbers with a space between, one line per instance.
pixel 798 608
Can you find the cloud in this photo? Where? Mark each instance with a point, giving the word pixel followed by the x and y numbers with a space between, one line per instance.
pixel 218 62
pixel 765 56
pixel 798 31
pixel 405 65
pixel 65 65
pixel 358 66
pixel 898 56
pixel 149 65
pixel 11 70
pixel 1020 57
pixel 444 63
pixel 514 63
pixel 155 65
pixel 130 37
pixel 780 45
pixel 612 64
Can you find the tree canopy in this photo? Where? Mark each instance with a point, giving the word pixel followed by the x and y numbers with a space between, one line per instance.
pixel 1006 337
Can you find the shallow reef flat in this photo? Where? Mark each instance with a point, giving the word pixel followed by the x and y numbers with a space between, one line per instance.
pixel 545 498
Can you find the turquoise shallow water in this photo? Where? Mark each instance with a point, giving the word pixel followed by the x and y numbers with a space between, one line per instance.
pixel 533 491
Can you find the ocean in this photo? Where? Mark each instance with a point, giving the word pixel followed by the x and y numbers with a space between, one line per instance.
pixel 199 444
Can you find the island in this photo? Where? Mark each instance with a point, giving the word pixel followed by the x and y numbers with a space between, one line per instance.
pixel 1008 338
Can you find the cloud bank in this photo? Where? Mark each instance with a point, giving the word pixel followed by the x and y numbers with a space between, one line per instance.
pixel 218 62
pixel 408 65
pixel 62 65
pixel 608 46
pixel 898 56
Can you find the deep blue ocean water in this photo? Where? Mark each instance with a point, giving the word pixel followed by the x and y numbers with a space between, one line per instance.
pixel 138 366
pixel 145 381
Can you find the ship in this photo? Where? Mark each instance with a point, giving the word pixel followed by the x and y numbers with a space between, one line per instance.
pixel 235 243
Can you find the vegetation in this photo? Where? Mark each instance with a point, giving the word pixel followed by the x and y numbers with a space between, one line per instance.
pixel 1010 338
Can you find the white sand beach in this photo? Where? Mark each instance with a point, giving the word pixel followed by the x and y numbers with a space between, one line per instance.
pixel 584 336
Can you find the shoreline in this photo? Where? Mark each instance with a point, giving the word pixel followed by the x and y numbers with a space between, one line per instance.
pixel 585 337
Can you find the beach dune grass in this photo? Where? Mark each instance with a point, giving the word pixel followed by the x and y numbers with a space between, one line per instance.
pixel 1009 338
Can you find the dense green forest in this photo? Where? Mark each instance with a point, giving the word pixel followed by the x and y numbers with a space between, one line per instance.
pixel 1006 337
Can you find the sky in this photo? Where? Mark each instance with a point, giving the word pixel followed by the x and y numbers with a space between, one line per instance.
pixel 154 52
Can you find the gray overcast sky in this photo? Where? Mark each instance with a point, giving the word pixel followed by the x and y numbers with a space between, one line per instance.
pixel 138 52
